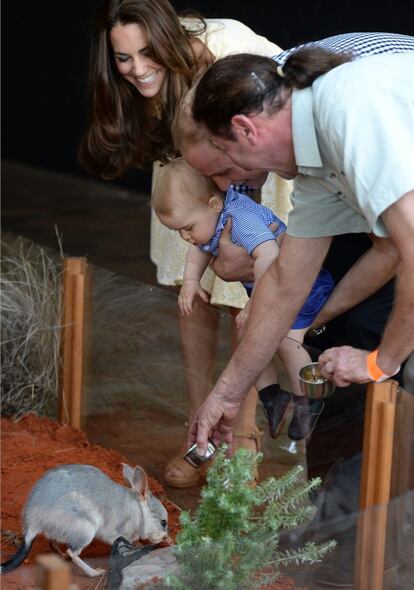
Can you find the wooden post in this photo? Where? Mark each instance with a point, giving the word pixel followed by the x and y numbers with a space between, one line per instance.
pixel 375 485
pixel 76 295
pixel 53 573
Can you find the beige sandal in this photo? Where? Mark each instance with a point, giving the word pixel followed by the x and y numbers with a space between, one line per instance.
pixel 255 436
pixel 190 475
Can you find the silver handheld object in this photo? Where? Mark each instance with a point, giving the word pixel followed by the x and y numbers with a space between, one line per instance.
pixel 194 459
pixel 313 384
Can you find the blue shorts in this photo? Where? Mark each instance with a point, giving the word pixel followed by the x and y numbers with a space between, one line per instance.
pixel 322 288
pixel 316 299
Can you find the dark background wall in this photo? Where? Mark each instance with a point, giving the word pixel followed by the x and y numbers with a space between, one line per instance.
pixel 44 62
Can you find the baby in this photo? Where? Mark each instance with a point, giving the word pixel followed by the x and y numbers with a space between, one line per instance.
pixel 191 204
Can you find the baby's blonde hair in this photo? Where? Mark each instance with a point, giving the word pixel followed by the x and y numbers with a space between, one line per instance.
pixel 178 183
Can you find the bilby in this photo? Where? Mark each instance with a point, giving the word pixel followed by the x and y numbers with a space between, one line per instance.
pixel 74 504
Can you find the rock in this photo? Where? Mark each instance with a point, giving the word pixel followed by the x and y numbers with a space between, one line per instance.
pixel 156 564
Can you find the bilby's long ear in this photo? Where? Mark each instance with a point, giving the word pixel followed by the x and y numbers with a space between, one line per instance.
pixel 128 473
pixel 244 129
pixel 216 204
pixel 140 483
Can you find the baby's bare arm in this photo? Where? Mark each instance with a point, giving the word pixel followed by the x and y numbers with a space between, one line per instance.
pixel 195 264
pixel 264 255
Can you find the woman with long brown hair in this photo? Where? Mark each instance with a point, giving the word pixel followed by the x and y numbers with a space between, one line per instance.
pixel 144 58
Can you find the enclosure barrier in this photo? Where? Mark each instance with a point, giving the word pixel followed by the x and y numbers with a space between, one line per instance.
pixel 76 319
pixel 388 423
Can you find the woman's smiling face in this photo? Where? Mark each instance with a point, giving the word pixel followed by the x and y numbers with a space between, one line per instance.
pixel 130 46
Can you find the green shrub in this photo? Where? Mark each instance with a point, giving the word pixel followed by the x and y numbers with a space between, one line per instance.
pixel 232 541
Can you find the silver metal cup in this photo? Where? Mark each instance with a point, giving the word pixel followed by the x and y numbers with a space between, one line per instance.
pixel 194 459
pixel 313 384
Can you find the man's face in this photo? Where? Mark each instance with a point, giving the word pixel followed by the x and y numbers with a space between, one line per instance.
pixel 240 154
pixel 261 143
pixel 215 163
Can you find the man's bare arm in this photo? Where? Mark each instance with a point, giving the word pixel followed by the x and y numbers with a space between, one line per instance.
pixel 349 365
pixel 398 339
pixel 234 262
pixel 371 271
pixel 279 296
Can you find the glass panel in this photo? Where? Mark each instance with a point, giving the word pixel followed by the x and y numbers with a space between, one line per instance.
pixel 137 385
pixel 136 402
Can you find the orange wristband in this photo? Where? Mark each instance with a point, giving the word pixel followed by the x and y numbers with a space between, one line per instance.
pixel 374 372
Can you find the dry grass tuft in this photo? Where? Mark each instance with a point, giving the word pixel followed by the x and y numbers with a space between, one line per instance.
pixel 31 327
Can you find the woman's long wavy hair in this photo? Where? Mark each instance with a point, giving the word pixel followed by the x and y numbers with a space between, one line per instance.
pixel 125 129
pixel 246 83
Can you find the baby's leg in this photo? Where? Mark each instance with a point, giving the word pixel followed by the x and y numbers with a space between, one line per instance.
pixel 305 411
pixel 294 356
pixel 276 401
pixel 267 377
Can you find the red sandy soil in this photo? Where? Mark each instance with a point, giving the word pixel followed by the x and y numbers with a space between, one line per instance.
pixel 29 448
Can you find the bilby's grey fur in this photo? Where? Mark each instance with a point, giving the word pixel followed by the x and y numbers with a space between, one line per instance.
pixel 73 504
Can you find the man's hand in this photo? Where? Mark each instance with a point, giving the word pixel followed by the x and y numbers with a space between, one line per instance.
pixel 344 365
pixel 214 420
pixel 233 262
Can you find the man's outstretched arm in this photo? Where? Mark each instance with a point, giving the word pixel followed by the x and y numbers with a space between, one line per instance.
pixel 278 297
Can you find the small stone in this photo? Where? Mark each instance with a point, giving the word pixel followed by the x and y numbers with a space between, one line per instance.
pixel 157 564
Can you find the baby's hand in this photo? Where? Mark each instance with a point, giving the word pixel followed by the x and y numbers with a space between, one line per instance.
pixel 242 317
pixel 191 288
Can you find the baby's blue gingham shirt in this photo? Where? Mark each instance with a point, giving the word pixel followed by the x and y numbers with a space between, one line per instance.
pixel 250 224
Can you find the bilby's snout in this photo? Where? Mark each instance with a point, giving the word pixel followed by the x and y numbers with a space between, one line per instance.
pixel 161 537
